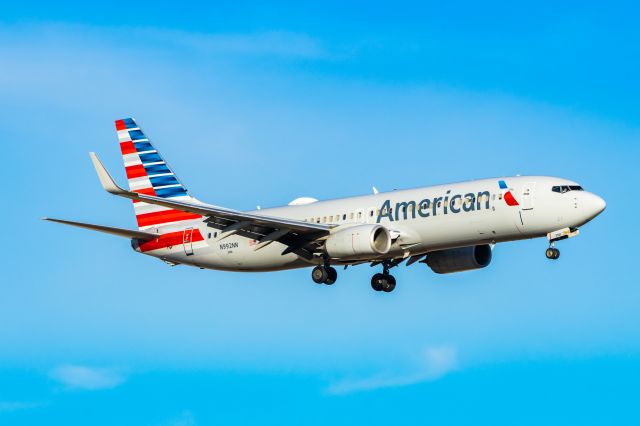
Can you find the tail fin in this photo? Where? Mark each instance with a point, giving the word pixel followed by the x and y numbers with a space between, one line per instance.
pixel 149 174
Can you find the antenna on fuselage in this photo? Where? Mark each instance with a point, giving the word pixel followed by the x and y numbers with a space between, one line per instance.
pixel 375 190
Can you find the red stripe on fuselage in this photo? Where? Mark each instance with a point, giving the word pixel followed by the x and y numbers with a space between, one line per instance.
pixel 165 216
pixel 135 171
pixel 168 240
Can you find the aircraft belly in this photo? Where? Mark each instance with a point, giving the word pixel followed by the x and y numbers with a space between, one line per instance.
pixel 237 253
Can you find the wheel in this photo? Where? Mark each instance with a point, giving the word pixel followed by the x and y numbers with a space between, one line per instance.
pixel 377 282
pixel 552 253
pixel 389 284
pixel 319 275
pixel 332 275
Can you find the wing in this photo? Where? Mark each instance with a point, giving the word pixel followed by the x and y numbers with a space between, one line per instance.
pixel 302 238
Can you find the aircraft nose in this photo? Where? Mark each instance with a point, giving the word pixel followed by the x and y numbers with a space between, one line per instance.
pixel 595 204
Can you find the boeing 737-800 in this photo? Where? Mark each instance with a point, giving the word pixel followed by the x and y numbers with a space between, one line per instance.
pixel 451 227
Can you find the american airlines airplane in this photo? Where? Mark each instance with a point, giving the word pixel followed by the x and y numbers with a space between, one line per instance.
pixel 450 228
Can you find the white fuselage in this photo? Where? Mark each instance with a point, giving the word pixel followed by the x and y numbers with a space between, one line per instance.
pixel 422 220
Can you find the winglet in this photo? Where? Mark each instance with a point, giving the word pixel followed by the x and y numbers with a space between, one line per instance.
pixel 106 180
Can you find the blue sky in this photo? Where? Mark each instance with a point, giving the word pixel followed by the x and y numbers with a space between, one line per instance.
pixel 259 104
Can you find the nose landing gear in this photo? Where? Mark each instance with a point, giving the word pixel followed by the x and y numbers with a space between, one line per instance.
pixel 561 234
pixel 552 253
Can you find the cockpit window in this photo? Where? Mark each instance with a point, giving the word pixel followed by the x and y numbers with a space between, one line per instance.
pixel 566 188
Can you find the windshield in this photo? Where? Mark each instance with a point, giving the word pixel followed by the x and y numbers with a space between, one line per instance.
pixel 566 188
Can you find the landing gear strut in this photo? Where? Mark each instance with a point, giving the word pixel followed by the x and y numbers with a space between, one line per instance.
pixel 324 275
pixel 384 281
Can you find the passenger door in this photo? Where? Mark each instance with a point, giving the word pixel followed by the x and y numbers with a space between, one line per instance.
pixel 187 241
pixel 526 205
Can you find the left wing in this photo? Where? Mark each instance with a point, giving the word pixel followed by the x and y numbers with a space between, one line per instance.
pixel 302 238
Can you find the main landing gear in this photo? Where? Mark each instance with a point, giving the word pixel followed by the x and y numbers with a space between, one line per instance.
pixel 324 275
pixel 384 281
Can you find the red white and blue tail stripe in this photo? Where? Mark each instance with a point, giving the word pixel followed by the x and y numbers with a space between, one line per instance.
pixel 149 174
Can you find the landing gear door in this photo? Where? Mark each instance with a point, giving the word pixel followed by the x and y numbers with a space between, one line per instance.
pixel 187 241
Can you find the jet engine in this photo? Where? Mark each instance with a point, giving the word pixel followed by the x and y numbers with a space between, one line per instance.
pixel 360 241
pixel 459 259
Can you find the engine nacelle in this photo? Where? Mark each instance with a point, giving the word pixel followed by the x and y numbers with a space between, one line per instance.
pixel 459 259
pixel 360 241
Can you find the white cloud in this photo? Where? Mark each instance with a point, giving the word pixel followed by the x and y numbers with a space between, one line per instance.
pixel 18 405
pixel 87 378
pixel 436 362
pixel 276 43
pixel 184 419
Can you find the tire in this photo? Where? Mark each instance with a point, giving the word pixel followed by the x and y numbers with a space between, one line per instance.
pixel 390 284
pixel 550 253
pixel 556 254
pixel 319 275
pixel 332 275
pixel 377 282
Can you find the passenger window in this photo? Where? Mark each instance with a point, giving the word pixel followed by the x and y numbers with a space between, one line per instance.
pixel 359 215
pixel 371 213
pixel 344 216
pixel 330 218
pixel 324 219
pixel 209 235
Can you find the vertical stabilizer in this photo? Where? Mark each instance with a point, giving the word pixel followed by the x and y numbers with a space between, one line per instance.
pixel 149 174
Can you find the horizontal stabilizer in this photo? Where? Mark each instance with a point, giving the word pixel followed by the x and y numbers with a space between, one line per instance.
pixel 120 232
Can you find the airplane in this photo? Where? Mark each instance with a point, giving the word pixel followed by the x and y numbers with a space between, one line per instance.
pixel 450 228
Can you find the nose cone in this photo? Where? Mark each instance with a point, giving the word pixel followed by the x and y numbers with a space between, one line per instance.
pixel 595 205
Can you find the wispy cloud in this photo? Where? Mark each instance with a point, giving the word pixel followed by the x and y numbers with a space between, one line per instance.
pixel 436 362
pixel 273 43
pixel 184 419
pixel 87 378
pixel 18 405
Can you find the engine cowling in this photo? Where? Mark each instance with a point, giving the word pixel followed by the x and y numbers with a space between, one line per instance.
pixel 459 259
pixel 360 241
